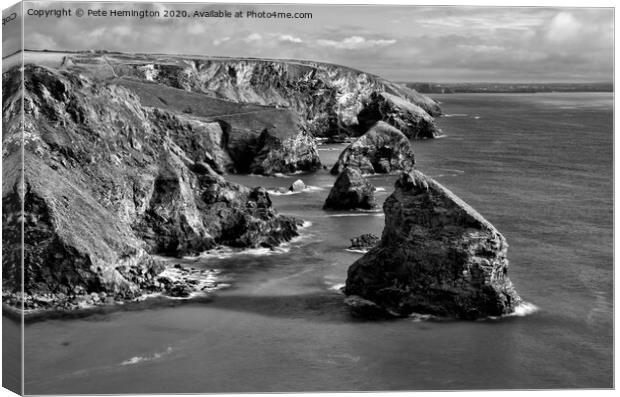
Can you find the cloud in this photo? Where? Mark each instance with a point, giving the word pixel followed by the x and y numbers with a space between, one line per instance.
pixel 196 28
pixel 482 48
pixel 217 42
pixel 355 43
pixel 42 41
pixel 563 27
pixel 253 37
pixel 289 38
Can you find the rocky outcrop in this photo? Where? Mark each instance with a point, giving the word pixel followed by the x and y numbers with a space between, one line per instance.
pixel 107 184
pixel 365 242
pixel 437 256
pixel 405 116
pixel 351 191
pixel 382 149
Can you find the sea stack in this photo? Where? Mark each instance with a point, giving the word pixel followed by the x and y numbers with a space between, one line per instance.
pixel 351 191
pixel 382 149
pixel 407 117
pixel 437 256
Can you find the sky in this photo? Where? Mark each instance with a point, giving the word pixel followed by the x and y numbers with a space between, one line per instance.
pixel 402 43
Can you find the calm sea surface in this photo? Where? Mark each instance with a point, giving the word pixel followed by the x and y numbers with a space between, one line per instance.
pixel 538 166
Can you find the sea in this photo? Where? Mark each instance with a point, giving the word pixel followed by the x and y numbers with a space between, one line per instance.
pixel 538 166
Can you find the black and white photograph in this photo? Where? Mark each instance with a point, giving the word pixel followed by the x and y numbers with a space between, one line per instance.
pixel 208 198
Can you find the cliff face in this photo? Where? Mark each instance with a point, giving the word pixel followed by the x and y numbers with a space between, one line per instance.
pixel 108 182
pixel 437 256
pixel 328 98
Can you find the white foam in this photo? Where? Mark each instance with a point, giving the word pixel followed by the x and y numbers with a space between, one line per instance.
pixel 227 252
pixel 477 117
pixel 455 115
pixel 279 193
pixel 337 287
pixel 357 251
pixel 356 214
pixel 140 359
pixel 379 189
pixel 307 189
pixel 524 309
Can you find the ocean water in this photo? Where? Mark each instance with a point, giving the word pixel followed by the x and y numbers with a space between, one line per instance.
pixel 538 166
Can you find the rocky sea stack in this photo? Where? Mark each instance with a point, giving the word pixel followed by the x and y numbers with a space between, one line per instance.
pixel 408 118
pixel 437 256
pixel 351 191
pixel 382 149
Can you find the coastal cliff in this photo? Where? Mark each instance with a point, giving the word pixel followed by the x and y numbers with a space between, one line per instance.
pixel 436 256
pixel 108 183
pixel 327 97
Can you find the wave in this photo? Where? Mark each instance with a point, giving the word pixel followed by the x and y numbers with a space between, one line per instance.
pixel 330 149
pixel 524 309
pixel 455 115
pixel 281 175
pixel 380 189
pixel 452 170
pixel 307 189
pixel 337 287
pixel 477 117
pixel 140 359
pixel 374 213
pixel 227 252
pixel 357 251
pixel 224 252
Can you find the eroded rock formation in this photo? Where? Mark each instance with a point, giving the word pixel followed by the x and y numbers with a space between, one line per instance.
pixel 437 256
pixel 405 116
pixel 351 191
pixel 365 242
pixel 382 149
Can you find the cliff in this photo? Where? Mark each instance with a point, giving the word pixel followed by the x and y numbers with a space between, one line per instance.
pixel 436 256
pixel 328 98
pixel 108 182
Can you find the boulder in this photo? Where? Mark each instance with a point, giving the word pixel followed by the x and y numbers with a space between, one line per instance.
pixel 351 191
pixel 437 256
pixel 382 149
pixel 297 186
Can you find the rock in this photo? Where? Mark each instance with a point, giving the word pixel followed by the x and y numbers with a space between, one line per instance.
pixel 382 149
pixel 437 256
pixel 363 308
pixel 268 142
pixel 297 186
pixel 351 191
pixel 179 290
pixel 364 242
pixel 400 113
pixel 95 209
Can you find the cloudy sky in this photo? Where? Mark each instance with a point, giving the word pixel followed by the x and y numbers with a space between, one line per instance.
pixel 441 44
